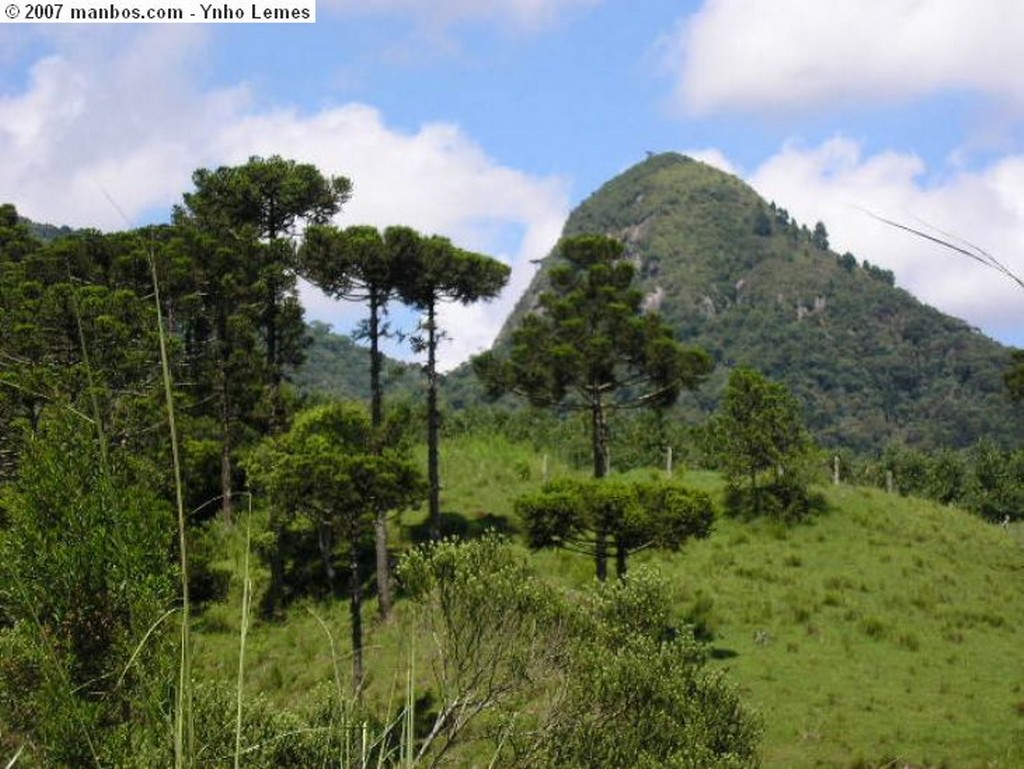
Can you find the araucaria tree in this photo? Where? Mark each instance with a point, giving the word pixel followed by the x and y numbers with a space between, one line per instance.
pixel 583 516
pixel 362 265
pixel 327 476
pixel 761 442
pixel 591 346
pixel 435 272
pixel 246 322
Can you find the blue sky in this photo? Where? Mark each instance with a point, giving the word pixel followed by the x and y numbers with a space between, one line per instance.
pixel 487 120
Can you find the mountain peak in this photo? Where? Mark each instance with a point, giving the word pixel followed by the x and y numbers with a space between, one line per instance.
pixel 738 276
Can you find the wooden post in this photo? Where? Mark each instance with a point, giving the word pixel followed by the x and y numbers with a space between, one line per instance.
pixel 888 481
pixel 544 468
pixel 835 470
pixel 668 461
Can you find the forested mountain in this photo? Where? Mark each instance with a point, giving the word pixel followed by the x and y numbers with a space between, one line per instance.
pixel 336 365
pixel 738 276
pixel 46 232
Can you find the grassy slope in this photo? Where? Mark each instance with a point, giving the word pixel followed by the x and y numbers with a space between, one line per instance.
pixel 888 627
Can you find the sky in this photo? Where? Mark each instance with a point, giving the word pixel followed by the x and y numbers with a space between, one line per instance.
pixel 488 120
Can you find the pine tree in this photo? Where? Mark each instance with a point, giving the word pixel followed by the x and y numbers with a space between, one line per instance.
pixel 437 272
pixel 590 346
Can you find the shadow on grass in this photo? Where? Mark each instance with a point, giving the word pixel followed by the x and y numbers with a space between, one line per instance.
pixel 463 526
pixel 783 503
pixel 722 654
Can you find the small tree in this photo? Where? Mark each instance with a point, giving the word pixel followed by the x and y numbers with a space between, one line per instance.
pixel 761 442
pixel 494 627
pixel 592 347
pixel 819 238
pixel 326 470
pixel 437 272
pixel 584 516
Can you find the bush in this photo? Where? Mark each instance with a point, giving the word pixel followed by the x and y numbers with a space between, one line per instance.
pixel 598 679
pixel 597 516
pixel 84 576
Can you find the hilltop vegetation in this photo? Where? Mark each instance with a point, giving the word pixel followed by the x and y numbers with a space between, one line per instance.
pixel 337 366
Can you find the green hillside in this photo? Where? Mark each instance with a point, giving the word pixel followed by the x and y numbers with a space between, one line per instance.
pixel 887 628
pixel 737 276
pixel 337 366
pixel 47 232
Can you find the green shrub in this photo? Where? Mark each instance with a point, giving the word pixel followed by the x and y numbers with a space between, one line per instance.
pixel 84 577
pixel 631 689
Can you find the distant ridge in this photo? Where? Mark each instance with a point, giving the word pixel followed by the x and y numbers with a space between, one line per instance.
pixel 46 232
pixel 735 274
pixel 337 366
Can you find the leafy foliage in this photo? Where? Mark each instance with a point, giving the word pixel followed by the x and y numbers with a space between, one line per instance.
pixel 237 227
pixel 327 478
pixel 84 579
pixel 593 516
pixel 984 479
pixel 761 442
pixel 630 690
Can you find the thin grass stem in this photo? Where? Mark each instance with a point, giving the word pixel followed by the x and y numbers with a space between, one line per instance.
pixel 243 632
pixel 183 732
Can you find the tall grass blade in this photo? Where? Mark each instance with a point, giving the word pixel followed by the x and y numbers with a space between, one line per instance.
pixel 183 731
pixel 243 632
pixel 14 758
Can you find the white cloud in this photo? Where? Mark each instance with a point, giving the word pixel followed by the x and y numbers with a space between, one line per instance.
pixel 737 54
pixel 133 126
pixel 714 158
pixel 525 14
pixel 90 125
pixel 837 184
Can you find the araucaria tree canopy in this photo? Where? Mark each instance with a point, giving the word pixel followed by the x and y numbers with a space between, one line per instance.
pixel 591 346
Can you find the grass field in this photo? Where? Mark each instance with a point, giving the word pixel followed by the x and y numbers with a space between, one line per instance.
pixel 885 631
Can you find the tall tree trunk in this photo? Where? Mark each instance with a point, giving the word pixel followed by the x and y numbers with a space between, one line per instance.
pixel 433 428
pixel 226 481
pixel 620 559
pixel 275 592
pixel 600 447
pixel 376 393
pixel 380 523
pixel 277 416
pixel 355 593
pixel 380 543
pixel 599 433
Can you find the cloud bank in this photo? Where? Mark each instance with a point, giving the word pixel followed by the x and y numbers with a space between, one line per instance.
pixel 741 55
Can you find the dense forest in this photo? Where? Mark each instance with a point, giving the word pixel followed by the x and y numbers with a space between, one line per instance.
pixel 622 537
